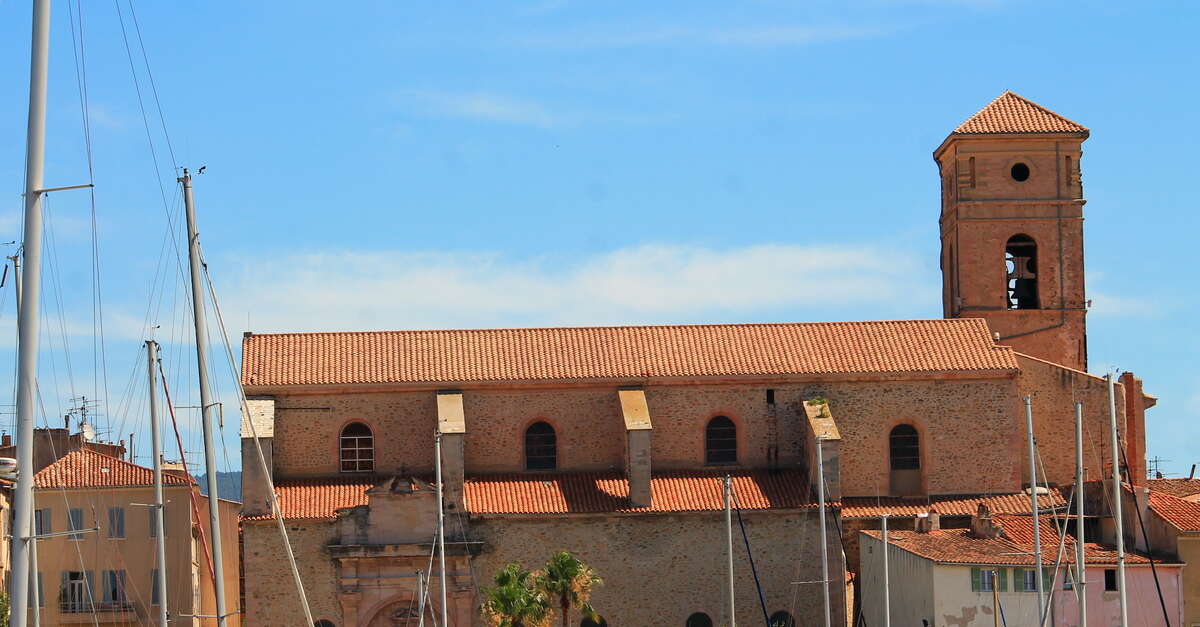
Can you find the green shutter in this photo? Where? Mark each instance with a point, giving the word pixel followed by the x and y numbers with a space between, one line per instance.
pixel 1018 579
pixel 1002 575
pixel 975 579
pixel 1048 578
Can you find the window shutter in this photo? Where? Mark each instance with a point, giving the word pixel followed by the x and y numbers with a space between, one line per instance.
pixel 975 579
pixel 1048 578
pixel 1018 579
pixel 1002 575
pixel 90 595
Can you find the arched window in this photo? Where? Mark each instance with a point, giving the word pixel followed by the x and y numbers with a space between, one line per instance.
pixel 599 622
pixel 904 457
pixel 540 447
pixel 1020 260
pixel 720 441
pixel 323 623
pixel 357 448
pixel 782 619
pixel 699 619
pixel 905 448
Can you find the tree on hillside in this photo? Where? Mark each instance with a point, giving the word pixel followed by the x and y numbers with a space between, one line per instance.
pixel 515 600
pixel 569 582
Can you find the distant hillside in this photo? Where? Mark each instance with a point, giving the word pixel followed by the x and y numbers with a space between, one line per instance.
pixel 229 485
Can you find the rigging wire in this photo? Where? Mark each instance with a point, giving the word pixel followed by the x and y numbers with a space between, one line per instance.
pixel 762 600
pixel 257 444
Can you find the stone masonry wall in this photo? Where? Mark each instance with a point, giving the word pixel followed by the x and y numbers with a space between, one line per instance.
pixel 969 426
pixel 307 428
pixel 271 597
pixel 660 569
pixel 1054 390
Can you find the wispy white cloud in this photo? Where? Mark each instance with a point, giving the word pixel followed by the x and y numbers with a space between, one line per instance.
pixel 486 106
pixel 103 116
pixel 643 284
pixel 1106 303
pixel 505 109
pixel 751 37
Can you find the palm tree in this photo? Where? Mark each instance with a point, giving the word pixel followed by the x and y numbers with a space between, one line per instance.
pixel 569 581
pixel 515 600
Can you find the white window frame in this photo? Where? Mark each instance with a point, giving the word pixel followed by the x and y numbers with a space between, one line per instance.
pixel 361 463
pixel 987 579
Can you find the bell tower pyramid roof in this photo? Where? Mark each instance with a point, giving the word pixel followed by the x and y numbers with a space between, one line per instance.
pixel 1010 113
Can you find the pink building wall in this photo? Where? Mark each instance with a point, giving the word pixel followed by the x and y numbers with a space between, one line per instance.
pixel 1142 602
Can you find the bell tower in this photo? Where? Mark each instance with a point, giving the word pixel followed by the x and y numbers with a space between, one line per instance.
pixel 1012 227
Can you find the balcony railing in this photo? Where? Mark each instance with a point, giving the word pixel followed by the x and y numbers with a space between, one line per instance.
pixel 83 606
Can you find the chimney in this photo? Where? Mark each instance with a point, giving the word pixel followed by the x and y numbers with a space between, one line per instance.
pixel 452 424
pixel 982 525
pixel 175 470
pixel 1135 429
pixel 638 432
pixel 931 521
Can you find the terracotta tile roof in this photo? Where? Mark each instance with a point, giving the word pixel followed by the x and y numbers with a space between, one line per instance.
pixel 320 498
pixel 85 468
pixel 946 505
pixel 560 493
pixel 1182 488
pixel 590 493
pixel 573 353
pixel 1010 113
pixel 959 546
pixel 1183 515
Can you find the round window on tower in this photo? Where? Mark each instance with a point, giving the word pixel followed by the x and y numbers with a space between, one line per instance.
pixel 1020 172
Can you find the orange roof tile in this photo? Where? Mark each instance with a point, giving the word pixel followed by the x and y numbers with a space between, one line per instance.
pixel 946 505
pixel 574 353
pixel 1182 488
pixel 320 498
pixel 591 493
pixel 1183 515
pixel 561 493
pixel 1010 113
pixel 85 468
pixel 1014 547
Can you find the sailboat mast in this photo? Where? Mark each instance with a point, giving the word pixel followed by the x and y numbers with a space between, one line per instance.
pixel 1116 498
pixel 27 319
pixel 160 574
pixel 1033 505
pixel 441 528
pixel 887 591
pixel 206 403
pixel 34 598
pixel 824 537
pixel 729 549
pixel 1080 567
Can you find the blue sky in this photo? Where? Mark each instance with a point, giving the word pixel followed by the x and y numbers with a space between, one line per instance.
pixel 399 165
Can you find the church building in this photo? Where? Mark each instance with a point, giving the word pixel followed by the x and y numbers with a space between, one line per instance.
pixel 614 442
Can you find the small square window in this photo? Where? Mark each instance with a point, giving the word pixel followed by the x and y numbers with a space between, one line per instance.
pixel 1110 580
